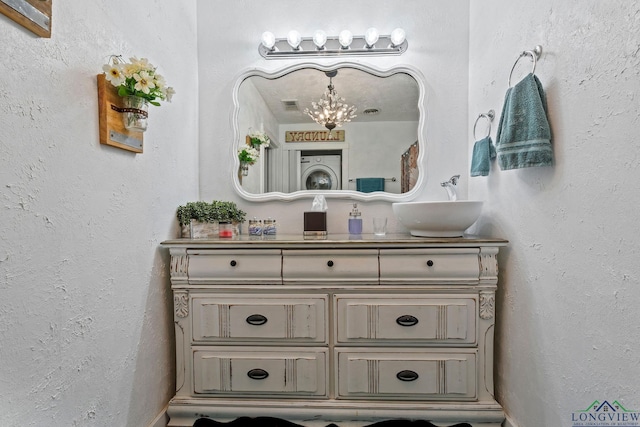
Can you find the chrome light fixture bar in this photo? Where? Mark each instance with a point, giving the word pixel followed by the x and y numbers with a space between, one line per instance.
pixel 295 46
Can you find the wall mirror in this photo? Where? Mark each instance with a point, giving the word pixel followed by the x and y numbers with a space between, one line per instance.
pixel 375 156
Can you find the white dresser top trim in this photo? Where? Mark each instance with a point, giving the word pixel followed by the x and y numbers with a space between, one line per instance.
pixel 291 241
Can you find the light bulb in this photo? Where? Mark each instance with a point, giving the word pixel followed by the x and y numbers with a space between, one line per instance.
pixel 319 39
pixel 371 37
pixel 345 38
pixel 397 37
pixel 268 40
pixel 294 38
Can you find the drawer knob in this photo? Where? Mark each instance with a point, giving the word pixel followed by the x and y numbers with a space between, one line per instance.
pixel 330 263
pixel 430 263
pixel 256 319
pixel 257 374
pixel 233 263
pixel 407 320
pixel 407 375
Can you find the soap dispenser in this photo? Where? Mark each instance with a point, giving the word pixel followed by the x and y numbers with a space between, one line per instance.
pixel 355 220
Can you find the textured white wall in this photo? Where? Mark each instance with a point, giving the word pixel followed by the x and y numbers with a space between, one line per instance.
pixel 85 309
pixel 228 39
pixel 568 307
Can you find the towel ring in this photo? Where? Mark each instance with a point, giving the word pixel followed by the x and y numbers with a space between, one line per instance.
pixel 489 116
pixel 534 54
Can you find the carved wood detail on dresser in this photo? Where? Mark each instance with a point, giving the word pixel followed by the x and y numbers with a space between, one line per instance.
pixel 335 331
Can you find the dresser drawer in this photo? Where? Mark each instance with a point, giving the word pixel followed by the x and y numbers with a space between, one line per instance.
pixel 274 317
pixel 384 319
pixel 429 265
pixel 408 374
pixel 262 371
pixel 330 265
pixel 235 266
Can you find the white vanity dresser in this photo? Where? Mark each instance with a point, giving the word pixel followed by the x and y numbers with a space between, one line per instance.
pixel 350 332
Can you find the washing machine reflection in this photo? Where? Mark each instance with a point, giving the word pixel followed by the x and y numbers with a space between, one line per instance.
pixel 320 170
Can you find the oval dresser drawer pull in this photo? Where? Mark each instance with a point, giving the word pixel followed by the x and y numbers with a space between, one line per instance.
pixel 407 320
pixel 233 263
pixel 256 319
pixel 407 375
pixel 330 263
pixel 257 374
pixel 430 263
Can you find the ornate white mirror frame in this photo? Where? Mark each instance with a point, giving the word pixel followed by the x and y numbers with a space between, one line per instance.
pixel 240 135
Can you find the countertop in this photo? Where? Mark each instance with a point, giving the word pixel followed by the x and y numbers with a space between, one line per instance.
pixel 337 241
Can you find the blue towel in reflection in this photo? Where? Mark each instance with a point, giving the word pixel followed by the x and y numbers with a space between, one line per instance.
pixel 369 185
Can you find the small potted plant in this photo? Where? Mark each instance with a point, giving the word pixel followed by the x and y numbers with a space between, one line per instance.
pixel 201 219
pixel 196 220
pixel 228 212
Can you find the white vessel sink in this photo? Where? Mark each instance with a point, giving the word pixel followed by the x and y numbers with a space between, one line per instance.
pixel 438 219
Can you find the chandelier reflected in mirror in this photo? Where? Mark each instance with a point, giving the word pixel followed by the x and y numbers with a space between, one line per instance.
pixel 331 110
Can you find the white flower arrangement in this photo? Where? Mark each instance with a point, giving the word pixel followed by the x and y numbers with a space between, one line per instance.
pixel 259 138
pixel 138 78
pixel 248 155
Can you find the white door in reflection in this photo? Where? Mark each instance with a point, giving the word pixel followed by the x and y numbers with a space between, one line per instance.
pixel 320 172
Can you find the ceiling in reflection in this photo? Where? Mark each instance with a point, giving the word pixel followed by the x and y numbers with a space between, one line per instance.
pixel 395 97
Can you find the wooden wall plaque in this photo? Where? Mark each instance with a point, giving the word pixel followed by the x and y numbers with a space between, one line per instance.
pixel 112 130
pixel 314 136
pixel 34 15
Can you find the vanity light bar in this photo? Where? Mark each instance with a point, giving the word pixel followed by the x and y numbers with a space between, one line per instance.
pixel 295 46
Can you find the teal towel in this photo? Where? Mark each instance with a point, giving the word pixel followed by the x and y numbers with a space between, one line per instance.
pixel 524 135
pixel 483 152
pixel 369 185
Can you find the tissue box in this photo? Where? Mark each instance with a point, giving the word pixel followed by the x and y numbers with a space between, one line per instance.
pixel 315 223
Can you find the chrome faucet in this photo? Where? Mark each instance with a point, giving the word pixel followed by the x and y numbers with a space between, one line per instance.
pixel 450 187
